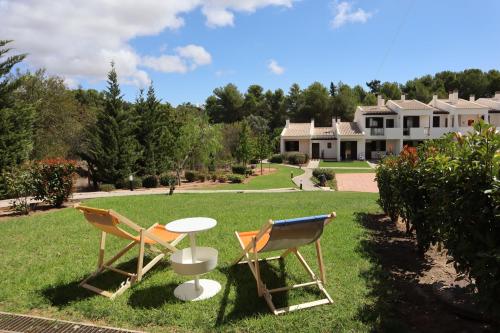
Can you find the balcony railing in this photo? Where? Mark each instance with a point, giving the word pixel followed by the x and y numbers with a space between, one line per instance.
pixel 406 131
pixel 376 131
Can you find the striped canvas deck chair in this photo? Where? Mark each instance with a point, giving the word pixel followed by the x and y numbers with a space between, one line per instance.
pixel 155 239
pixel 287 236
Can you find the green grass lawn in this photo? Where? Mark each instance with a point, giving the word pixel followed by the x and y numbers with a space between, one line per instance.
pixel 279 179
pixel 351 164
pixel 46 255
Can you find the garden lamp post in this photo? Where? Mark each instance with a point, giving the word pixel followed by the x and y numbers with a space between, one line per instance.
pixel 131 182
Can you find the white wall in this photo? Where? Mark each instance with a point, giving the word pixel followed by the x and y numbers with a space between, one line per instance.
pixel 328 153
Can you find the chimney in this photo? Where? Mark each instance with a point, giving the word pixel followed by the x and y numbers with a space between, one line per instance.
pixel 453 96
pixel 287 123
pixel 434 100
pixel 472 98
pixel 403 97
pixel 312 123
pixel 380 100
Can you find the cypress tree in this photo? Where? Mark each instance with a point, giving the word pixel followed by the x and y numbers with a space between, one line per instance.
pixel 111 149
pixel 16 119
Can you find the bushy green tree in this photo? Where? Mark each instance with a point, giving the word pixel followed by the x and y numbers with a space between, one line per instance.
pixel 16 119
pixel 245 149
pixel 225 105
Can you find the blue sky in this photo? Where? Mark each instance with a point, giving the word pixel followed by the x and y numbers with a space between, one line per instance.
pixel 387 40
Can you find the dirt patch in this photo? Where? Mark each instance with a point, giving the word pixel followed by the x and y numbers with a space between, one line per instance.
pixel 412 293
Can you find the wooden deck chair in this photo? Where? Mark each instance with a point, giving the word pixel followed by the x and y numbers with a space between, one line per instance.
pixel 156 239
pixel 286 235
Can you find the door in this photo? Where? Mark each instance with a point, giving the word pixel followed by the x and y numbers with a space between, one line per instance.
pixel 349 150
pixel 315 150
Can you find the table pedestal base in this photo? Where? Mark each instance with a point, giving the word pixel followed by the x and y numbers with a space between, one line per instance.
pixel 187 291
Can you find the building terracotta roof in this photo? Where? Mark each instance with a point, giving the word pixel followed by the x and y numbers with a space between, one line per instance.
pixel 492 103
pixel 323 131
pixel 462 104
pixel 376 110
pixel 349 128
pixel 297 129
pixel 411 104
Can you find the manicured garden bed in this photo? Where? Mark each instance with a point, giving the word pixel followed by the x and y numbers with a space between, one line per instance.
pixel 48 255
pixel 278 179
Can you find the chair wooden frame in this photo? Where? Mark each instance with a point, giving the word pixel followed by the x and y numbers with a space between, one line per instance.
pixel 251 253
pixel 160 248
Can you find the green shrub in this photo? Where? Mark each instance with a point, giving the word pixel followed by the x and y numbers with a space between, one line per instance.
pixel 328 173
pixel 190 175
pixel 222 178
pixel 254 161
pixel 213 176
pixel 150 181
pixel 201 177
pixel 296 158
pixel 239 169
pixel 276 158
pixel 53 180
pixel 448 193
pixel 20 186
pixel 107 187
pixel 167 178
pixel 235 178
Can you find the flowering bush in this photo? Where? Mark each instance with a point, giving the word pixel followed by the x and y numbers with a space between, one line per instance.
pixel 53 180
pixel 448 192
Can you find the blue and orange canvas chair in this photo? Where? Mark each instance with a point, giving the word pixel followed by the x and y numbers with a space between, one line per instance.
pixel 287 236
pixel 156 239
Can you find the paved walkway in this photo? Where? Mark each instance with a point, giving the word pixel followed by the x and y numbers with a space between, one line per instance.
pixel 123 193
pixel 356 182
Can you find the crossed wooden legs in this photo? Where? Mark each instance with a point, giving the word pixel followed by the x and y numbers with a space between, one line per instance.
pixel 131 277
pixel 262 290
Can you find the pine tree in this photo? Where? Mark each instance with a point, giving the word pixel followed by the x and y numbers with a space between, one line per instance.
pixel 111 149
pixel 16 120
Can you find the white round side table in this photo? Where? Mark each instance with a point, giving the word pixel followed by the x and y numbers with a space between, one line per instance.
pixel 195 260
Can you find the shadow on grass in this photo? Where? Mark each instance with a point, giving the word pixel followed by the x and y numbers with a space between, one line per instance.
pixel 246 302
pixel 62 295
pixel 153 297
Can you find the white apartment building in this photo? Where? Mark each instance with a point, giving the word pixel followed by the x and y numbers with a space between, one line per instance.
pixel 388 126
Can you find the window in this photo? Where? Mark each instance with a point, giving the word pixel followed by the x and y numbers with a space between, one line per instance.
pixel 435 121
pixel 411 121
pixel 374 122
pixel 389 123
pixel 470 122
pixel 329 145
pixel 291 146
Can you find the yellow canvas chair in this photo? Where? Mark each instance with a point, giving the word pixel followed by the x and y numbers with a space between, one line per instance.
pixel 286 235
pixel 156 239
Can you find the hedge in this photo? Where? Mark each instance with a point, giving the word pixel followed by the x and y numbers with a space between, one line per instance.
pixel 276 158
pixel 448 193
pixel 296 158
pixel 236 178
pixel 239 169
pixel 150 181
pixel 328 173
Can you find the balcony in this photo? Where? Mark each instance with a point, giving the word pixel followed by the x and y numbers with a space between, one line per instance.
pixel 437 132
pixel 376 131
pixel 416 133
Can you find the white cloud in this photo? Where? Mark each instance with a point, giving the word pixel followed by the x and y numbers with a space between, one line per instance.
pixel 79 39
pixel 344 13
pixel 187 58
pixel 275 68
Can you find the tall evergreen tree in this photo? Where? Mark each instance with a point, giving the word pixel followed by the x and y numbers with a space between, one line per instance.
pixel 16 119
pixel 111 149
